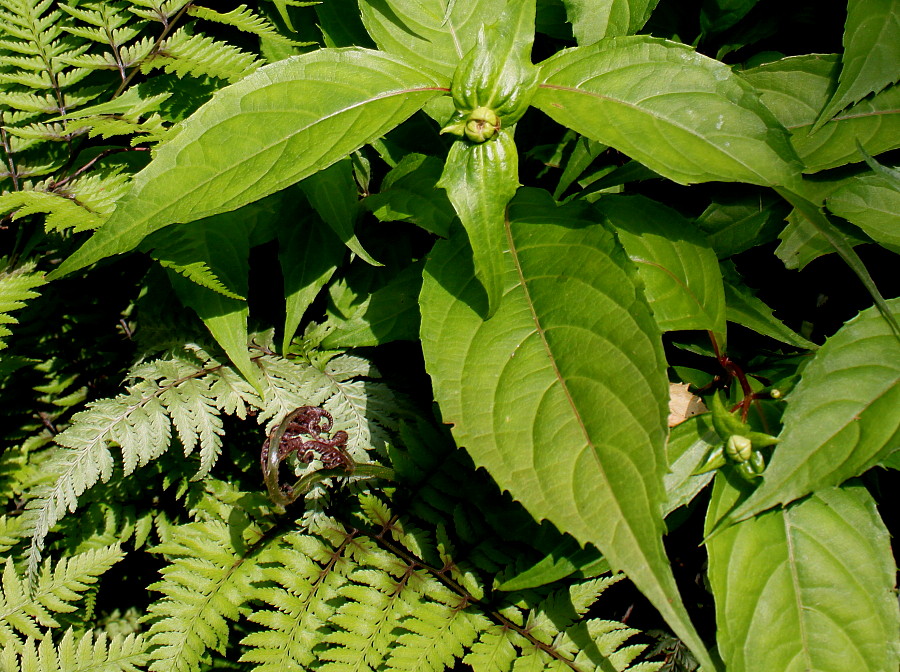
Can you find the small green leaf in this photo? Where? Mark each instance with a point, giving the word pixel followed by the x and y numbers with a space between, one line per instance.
pixel 332 193
pixel 842 418
pixel 795 89
pixel 871 53
pixel 689 444
pixel 807 587
pixel 802 242
pixel 480 180
pixel 683 115
pixel 679 270
pixel 743 307
pixel 409 192
pixel 434 33
pixel 719 15
pixel 871 203
pixel 270 130
pixel 563 389
pixel 593 20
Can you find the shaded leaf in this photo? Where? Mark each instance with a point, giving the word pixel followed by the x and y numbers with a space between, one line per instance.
pixel 807 587
pixel 690 442
pixel 309 253
pixel 719 15
pixel 736 225
pixel 409 193
pixel 842 418
pixel 332 193
pixel 871 58
pixel 743 307
pixel 679 270
pixel 533 403
pixel 871 203
pixel 594 20
pixel 275 127
pixel 683 115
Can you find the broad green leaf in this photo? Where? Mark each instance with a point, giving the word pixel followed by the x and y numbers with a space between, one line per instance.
pixel 562 394
pixel 271 129
pixel 309 253
pixel 871 203
pixel 480 180
pixel 743 307
pixel 679 270
pixel 390 313
pixel 734 225
pixel 332 193
pixel 683 115
pixel 409 193
pixel 871 58
pixel 341 24
pixel 809 587
pixel 719 15
pixel 434 33
pixel 841 419
pixel 689 444
pixel 593 20
pixel 796 89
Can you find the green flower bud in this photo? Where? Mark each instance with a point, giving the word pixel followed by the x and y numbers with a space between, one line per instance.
pixel 739 448
pixel 482 124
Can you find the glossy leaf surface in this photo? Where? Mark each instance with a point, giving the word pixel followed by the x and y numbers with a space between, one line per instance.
pixel 593 20
pixel 433 33
pixel 681 114
pixel 273 128
pixel 810 587
pixel 842 418
pixel 871 58
pixel 563 389
pixel 480 180
pixel 679 269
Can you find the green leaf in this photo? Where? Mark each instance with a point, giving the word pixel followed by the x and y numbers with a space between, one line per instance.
pixel 677 266
pixel 871 53
pixel 683 115
pixel 309 254
pixel 808 587
pixel 594 20
pixel 273 128
pixel 734 225
pixel 409 193
pixel 871 203
pixel 480 180
pixel 743 307
pixel 332 193
pixel 222 244
pixel 690 442
pixel 434 33
pixel 719 15
pixel 801 242
pixel 390 313
pixel 842 418
pixel 795 89
pixel 563 390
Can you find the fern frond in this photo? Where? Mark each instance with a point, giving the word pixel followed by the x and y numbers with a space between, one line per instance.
pixel 245 20
pixel 205 585
pixel 198 55
pixel 54 592
pixel 16 287
pixel 62 213
pixel 89 653
pixel 11 530
pixel 157 10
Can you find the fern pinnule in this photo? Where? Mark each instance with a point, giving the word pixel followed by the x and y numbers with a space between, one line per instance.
pixel 54 591
pixel 87 653
pixel 246 20
pixel 16 287
pixel 185 54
